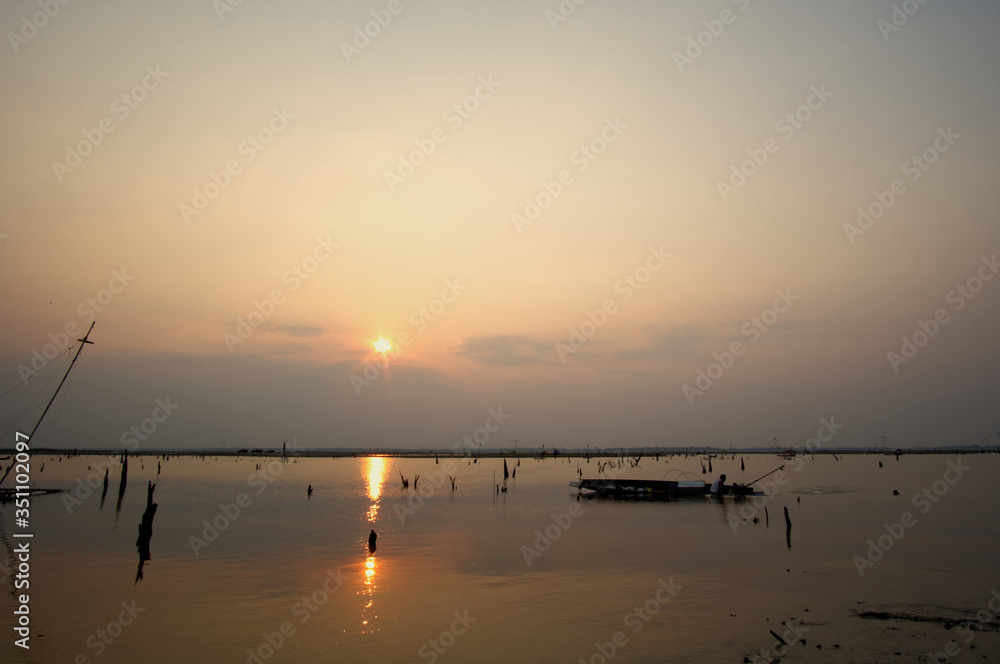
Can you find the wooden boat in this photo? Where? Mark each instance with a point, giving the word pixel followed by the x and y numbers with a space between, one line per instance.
pixel 655 489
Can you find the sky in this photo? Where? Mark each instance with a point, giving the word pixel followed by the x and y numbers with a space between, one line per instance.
pixel 732 223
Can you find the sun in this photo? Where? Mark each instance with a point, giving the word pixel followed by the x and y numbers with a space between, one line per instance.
pixel 383 345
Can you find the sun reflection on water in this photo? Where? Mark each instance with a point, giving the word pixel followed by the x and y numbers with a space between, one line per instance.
pixel 375 475
pixel 368 614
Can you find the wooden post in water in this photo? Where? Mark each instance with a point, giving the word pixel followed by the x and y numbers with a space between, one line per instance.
pixel 122 483
pixel 788 529
pixel 145 530
pixel 123 480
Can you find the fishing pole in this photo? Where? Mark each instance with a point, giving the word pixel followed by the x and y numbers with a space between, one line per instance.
pixel 763 476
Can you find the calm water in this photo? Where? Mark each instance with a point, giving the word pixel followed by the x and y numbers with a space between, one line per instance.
pixel 459 553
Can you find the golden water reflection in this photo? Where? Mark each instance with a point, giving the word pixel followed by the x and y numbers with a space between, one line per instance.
pixel 368 614
pixel 375 475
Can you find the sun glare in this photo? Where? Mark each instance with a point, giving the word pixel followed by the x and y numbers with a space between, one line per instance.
pixel 383 345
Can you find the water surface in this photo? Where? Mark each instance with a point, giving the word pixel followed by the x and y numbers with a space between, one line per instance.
pixel 451 567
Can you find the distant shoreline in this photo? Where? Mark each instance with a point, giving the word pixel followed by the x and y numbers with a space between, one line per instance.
pixel 486 454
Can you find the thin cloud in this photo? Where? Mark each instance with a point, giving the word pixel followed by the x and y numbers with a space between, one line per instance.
pixel 297 330
pixel 504 350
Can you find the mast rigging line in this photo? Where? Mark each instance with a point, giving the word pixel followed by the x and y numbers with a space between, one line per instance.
pixel 83 342
pixel 21 383
pixel 29 408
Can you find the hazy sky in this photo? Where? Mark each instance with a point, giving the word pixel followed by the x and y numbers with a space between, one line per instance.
pixel 679 183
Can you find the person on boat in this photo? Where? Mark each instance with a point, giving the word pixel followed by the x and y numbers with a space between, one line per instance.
pixel 718 485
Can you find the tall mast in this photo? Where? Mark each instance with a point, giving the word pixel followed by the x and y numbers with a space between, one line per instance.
pixel 83 342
